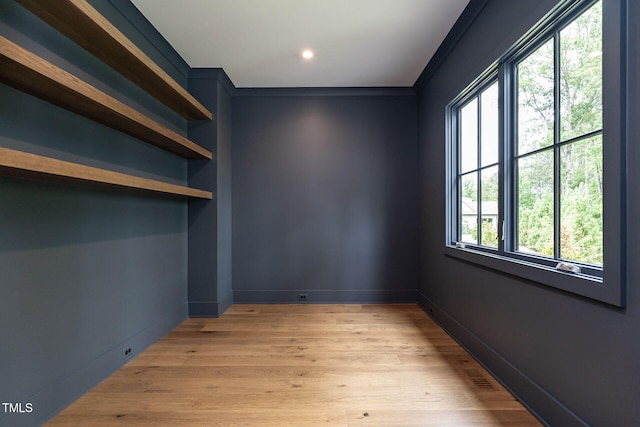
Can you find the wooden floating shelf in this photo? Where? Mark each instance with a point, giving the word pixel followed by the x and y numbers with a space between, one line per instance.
pixel 87 27
pixel 36 76
pixel 27 165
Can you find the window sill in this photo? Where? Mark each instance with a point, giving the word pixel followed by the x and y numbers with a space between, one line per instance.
pixel 581 284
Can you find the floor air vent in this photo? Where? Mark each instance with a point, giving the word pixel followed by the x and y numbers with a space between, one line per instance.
pixel 480 381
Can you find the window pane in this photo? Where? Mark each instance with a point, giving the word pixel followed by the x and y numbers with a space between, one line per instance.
pixel 489 206
pixel 581 75
pixel 469 136
pixel 581 201
pixel 535 204
pixel 489 125
pixel 535 100
pixel 469 208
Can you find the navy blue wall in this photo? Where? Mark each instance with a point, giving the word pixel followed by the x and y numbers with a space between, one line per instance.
pixel 210 292
pixel 324 195
pixel 224 190
pixel 84 272
pixel 570 359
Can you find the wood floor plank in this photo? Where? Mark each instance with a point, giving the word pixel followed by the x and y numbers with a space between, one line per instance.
pixel 302 365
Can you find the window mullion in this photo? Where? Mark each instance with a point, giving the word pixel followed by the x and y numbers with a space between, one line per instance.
pixel 508 153
pixel 503 154
pixel 557 187
pixel 479 171
pixel 458 183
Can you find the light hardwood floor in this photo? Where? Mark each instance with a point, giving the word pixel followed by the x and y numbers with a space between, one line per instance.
pixel 302 365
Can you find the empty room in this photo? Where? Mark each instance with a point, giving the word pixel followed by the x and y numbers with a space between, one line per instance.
pixel 319 212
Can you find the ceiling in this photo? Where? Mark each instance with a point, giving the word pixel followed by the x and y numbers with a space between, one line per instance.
pixel 357 43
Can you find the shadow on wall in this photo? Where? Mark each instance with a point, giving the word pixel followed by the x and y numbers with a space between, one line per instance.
pixel 38 215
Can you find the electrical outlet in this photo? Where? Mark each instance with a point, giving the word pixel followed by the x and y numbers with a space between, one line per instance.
pixel 127 352
pixel 302 297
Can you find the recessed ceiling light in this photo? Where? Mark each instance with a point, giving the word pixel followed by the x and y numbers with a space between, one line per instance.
pixel 307 54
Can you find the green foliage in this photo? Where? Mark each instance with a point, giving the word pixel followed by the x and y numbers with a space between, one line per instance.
pixel 489 234
pixel 580 186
